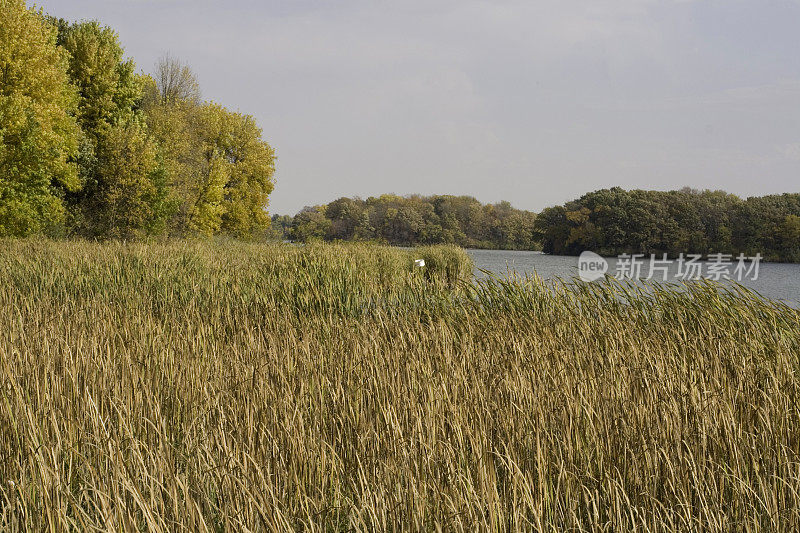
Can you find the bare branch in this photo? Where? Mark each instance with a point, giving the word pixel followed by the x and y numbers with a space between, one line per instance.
pixel 176 82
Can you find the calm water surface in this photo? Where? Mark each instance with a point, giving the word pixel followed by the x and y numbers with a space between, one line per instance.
pixel 779 281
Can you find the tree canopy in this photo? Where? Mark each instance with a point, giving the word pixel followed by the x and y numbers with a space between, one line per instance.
pixel 90 147
pixel 397 220
pixel 615 221
pixel 38 131
pixel 609 222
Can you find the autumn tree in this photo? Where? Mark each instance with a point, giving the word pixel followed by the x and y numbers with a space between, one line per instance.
pixel 108 86
pixel 219 169
pixel 233 143
pixel 38 135
pixel 88 143
pixel 130 200
pixel 110 94
pixel 178 126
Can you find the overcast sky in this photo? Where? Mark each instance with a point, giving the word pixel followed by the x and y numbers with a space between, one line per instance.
pixel 535 102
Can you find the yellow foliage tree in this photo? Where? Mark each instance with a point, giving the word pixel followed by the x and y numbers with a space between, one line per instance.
pixel 38 135
pixel 128 201
pixel 219 169
pixel 177 126
pixel 251 164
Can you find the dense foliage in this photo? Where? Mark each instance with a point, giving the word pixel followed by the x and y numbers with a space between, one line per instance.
pixel 89 147
pixel 396 220
pixel 615 221
pixel 609 222
pixel 38 132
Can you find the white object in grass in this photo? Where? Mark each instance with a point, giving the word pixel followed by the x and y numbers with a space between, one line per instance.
pixel 419 262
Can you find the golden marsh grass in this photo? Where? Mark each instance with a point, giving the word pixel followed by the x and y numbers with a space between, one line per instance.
pixel 243 387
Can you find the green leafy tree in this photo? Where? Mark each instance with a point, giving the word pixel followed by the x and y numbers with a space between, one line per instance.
pixel 553 230
pixel 108 87
pixel 614 221
pixel 179 127
pixel 281 226
pixel 236 140
pixel 38 135
pixel 130 201
pixel 110 94
pixel 401 225
pixel 349 220
pixel 790 233
pixel 418 219
pixel 310 224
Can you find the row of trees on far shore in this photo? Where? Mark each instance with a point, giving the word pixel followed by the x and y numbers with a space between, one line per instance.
pixel 615 221
pixel 90 147
pixel 609 222
pixel 405 221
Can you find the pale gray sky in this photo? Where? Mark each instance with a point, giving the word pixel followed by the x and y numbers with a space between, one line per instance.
pixel 531 101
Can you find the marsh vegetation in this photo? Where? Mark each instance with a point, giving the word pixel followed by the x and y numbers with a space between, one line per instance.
pixel 234 386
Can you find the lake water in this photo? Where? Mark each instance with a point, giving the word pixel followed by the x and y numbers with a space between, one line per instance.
pixel 778 281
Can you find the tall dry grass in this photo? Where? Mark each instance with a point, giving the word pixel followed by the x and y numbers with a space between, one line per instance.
pixel 195 387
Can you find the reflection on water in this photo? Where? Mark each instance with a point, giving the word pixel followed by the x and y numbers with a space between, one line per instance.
pixel 779 281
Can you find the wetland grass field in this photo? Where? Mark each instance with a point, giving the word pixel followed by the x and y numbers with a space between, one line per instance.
pixel 246 387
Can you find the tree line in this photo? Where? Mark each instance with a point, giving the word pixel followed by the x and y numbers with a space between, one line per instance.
pixel 406 221
pixel 609 221
pixel 91 147
pixel 615 221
